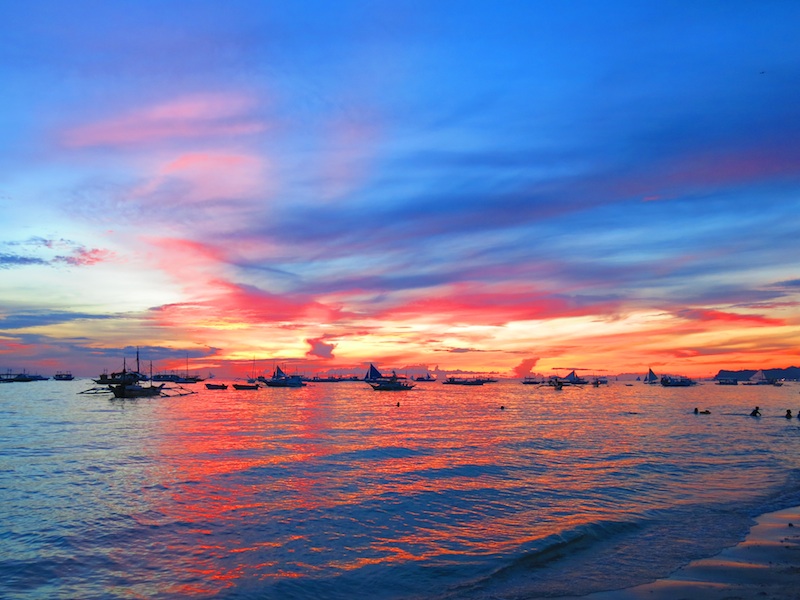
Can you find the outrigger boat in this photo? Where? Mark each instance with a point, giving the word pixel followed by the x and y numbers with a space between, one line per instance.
pixel 134 390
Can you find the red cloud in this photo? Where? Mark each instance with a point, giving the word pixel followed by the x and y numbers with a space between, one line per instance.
pixel 524 368
pixel 714 316
pixel 496 308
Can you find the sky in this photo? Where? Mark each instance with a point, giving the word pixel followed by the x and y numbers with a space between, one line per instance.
pixel 516 187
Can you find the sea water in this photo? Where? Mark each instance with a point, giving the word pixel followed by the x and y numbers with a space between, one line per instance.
pixel 337 491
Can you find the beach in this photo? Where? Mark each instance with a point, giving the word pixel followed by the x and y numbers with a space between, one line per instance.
pixel 765 566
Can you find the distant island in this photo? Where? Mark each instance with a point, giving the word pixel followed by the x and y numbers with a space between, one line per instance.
pixel 791 373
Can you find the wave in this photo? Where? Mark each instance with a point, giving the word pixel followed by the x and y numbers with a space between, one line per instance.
pixel 544 553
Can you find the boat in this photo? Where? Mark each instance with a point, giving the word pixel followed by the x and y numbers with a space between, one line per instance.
pixel 463 381
pixel 391 384
pixel 727 381
pixel 63 376
pixel 135 390
pixel 281 379
pixel 216 386
pixel 124 376
pixel 677 381
pixel 425 378
pixel 373 374
pixel 574 379
pixel 651 378
pixel 246 386
pixel 530 380
pixel 22 377
pixel 760 378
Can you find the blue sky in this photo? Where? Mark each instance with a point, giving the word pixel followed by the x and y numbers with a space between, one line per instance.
pixel 478 185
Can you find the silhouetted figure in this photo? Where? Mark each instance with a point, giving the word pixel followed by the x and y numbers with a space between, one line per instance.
pixel 697 412
pixel 705 412
pixel 788 414
pixel 756 412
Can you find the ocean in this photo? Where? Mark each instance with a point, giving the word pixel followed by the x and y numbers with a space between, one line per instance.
pixel 334 491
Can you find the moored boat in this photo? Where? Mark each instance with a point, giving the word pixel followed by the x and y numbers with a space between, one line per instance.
pixel 246 386
pixel 463 381
pixel 216 386
pixel 134 390
pixel 677 381
pixel 391 385
pixel 281 379
pixel 63 376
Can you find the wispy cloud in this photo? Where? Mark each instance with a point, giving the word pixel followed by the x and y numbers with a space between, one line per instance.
pixel 192 117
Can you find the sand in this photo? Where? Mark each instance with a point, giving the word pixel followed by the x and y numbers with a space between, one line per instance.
pixel 765 566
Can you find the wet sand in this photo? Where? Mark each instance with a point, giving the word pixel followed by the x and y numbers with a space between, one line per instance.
pixel 765 566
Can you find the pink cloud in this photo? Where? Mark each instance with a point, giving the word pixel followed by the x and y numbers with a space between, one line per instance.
pixel 207 115
pixel 206 175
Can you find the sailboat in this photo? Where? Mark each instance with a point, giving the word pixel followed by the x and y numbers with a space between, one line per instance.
pixel 373 374
pixel 390 384
pixel 651 378
pixel 281 379
pixel 760 378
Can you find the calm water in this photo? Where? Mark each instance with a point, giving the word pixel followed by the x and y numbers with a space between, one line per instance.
pixel 334 491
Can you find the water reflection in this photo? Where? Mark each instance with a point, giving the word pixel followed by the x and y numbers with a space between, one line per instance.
pixel 326 489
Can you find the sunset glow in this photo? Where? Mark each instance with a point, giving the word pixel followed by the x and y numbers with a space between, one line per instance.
pixel 326 185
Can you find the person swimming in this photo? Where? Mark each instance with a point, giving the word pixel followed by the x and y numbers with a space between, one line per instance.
pixel 756 412
pixel 788 413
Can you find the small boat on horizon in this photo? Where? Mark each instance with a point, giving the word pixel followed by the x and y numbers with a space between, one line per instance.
pixel 677 381
pixel 23 377
pixel 651 378
pixel 452 380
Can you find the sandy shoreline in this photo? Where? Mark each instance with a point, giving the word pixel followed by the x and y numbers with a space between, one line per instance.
pixel 765 566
